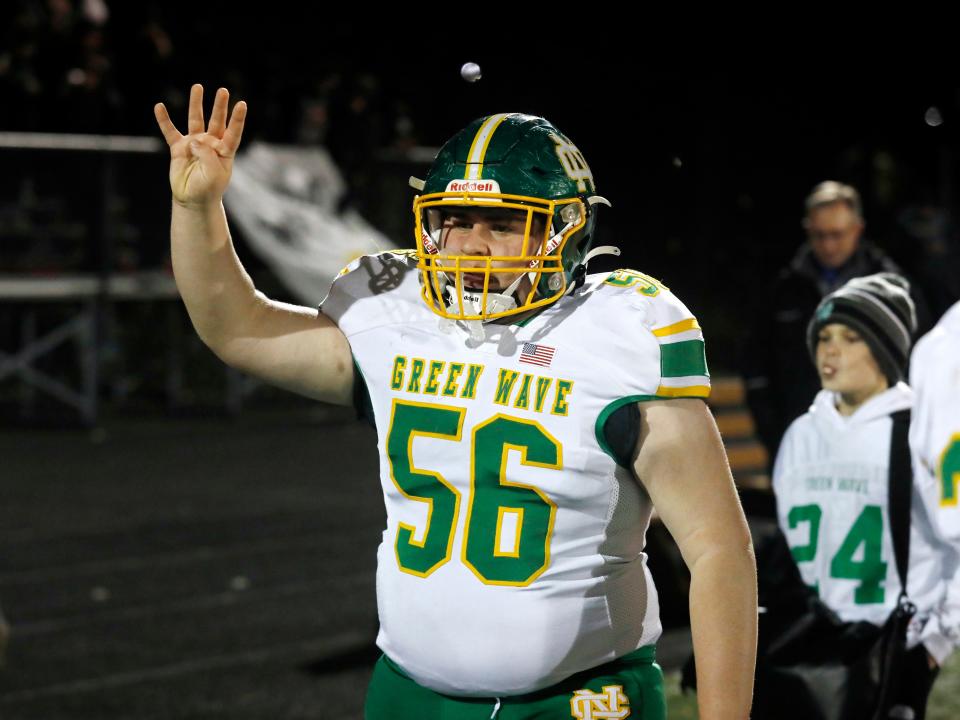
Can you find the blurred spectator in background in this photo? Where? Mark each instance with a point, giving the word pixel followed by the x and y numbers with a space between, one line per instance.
pixel 87 89
pixel 779 379
pixel 356 132
pixel 21 86
pixel 57 68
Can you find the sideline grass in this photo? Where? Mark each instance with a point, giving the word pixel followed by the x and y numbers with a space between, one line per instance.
pixel 944 701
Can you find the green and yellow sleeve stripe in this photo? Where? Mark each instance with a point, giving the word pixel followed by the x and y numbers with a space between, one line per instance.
pixel 683 360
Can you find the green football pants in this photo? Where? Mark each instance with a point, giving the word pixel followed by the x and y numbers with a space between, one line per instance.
pixel 629 687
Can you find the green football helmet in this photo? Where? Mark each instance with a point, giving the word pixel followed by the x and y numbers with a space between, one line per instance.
pixel 506 162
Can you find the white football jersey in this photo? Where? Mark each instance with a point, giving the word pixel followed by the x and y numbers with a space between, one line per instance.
pixel 935 430
pixel 831 479
pixel 513 553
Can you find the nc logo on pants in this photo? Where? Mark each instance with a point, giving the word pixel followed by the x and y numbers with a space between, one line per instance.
pixel 611 704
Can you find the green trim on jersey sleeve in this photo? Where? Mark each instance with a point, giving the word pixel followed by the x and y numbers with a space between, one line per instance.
pixel 683 359
pixel 600 429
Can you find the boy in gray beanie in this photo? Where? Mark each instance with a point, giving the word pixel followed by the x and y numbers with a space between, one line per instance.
pixel 880 309
pixel 831 481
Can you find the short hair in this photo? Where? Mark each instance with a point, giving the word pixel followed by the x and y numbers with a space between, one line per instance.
pixel 830 192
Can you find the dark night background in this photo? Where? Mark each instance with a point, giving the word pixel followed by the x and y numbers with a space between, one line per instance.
pixel 205 559
pixel 706 154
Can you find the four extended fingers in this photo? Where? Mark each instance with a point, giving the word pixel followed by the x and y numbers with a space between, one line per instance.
pixel 230 131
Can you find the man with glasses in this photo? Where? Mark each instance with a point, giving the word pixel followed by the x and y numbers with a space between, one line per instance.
pixel 779 379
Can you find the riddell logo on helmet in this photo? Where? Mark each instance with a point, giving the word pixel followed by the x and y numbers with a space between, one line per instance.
pixel 473 186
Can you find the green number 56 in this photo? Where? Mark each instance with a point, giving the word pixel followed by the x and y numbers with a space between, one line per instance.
pixel 508 524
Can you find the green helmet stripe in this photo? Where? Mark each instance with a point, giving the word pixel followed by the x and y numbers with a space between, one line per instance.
pixel 478 149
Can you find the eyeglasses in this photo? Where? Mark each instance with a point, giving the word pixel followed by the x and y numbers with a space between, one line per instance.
pixel 820 235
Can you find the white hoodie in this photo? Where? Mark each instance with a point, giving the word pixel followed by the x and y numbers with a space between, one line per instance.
pixel 831 482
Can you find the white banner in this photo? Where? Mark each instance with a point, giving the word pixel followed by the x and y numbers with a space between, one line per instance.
pixel 285 199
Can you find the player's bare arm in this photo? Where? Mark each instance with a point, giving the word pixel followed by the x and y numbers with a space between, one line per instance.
pixel 294 347
pixel 681 462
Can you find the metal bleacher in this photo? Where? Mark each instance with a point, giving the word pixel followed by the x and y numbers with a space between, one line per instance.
pixel 748 458
pixel 88 298
pixel 56 308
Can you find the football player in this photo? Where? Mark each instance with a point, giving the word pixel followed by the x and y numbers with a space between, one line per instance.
pixel 935 430
pixel 935 433
pixel 530 417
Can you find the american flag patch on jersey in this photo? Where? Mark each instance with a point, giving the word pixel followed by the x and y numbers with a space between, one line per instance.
pixel 537 354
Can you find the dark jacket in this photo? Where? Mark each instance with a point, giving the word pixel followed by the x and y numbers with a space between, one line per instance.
pixel 780 377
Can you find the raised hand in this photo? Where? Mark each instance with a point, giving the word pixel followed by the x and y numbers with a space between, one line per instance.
pixel 201 161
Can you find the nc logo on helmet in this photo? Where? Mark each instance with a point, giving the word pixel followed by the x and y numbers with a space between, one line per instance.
pixel 473 186
pixel 573 163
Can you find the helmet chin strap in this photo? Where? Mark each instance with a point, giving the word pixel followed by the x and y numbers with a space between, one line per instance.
pixel 579 273
pixel 473 301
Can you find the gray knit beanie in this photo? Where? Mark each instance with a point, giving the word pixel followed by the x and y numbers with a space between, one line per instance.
pixel 880 309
